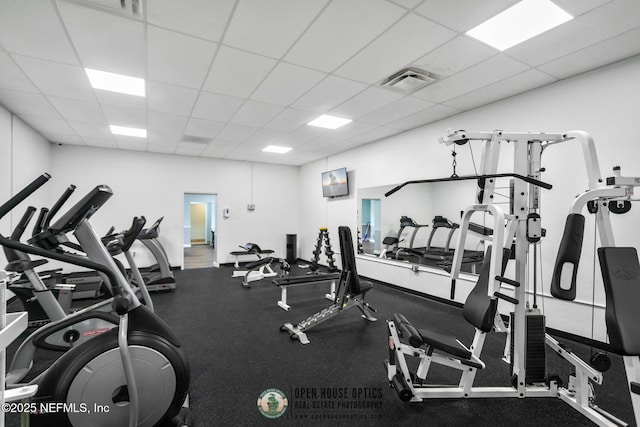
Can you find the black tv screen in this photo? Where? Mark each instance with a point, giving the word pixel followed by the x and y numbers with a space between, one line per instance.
pixel 335 183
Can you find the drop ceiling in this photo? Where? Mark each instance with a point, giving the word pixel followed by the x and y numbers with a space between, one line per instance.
pixel 225 78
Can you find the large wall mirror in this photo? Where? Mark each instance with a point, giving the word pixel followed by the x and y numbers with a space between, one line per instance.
pixel 419 224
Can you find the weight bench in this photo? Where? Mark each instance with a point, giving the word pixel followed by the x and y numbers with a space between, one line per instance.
pixel 431 346
pixel 350 293
pixel 284 282
pixel 256 270
pixel 249 249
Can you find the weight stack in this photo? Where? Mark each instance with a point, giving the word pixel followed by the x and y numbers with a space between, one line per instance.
pixel 535 354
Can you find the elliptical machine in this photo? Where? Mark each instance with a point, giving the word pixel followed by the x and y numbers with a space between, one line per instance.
pixel 136 374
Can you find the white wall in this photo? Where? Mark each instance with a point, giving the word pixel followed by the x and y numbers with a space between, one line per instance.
pixel 25 156
pixel 153 185
pixel 604 102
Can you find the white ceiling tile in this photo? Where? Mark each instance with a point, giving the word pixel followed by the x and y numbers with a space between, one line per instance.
pixel 12 77
pixel 266 137
pixel 170 99
pixel 211 106
pixel 490 71
pixel 199 18
pixel 47 124
pixel 341 30
pixel 254 113
pixel 320 145
pixel 420 118
pixel 237 73
pixel 454 56
pixel 118 48
pixel 82 111
pixel 365 102
pixel 374 134
pixel 27 103
pixel 348 144
pixel 190 148
pixel 290 119
pixel 503 89
pixel 54 78
pixel 91 130
pixel 157 138
pixel 178 59
pixel 607 21
pixel 301 157
pixel 236 132
pixel 203 128
pixel 352 129
pixel 218 148
pixel 295 139
pixel 120 99
pixel 286 83
pixel 578 7
pixel 273 26
pixel 611 50
pixel 409 39
pixel 396 110
pixel 328 93
pixel 32 28
pixel 409 4
pixel 167 123
pixel 462 15
pixel 122 116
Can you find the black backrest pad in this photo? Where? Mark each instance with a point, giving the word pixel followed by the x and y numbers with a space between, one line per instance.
pixel 568 259
pixel 479 309
pixel 348 259
pixel 621 277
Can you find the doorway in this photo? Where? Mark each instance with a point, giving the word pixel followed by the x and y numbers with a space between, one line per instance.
pixel 199 229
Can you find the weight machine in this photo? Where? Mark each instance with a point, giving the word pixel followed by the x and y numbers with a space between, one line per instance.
pixel 527 339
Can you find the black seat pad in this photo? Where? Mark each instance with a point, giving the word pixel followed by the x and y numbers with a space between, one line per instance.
pixel 444 342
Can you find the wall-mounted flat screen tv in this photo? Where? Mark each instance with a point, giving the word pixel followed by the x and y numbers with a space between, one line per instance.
pixel 335 183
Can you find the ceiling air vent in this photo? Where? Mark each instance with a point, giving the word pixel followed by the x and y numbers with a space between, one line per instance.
pixel 196 139
pixel 408 80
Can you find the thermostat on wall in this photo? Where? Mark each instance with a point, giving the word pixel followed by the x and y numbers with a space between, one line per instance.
pixel 251 207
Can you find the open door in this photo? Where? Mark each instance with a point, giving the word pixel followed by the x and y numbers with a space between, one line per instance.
pixel 199 230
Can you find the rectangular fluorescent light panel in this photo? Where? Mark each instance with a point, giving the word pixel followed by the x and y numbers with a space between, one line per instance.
pixel 115 82
pixel 329 122
pixel 520 22
pixel 276 149
pixel 125 131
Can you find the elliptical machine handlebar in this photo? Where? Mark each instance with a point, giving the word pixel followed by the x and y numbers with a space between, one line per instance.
pixel 22 224
pixel 39 225
pixel 23 194
pixel 56 207
pixel 71 259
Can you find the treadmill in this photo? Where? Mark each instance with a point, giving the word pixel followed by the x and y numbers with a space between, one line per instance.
pixel 159 276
